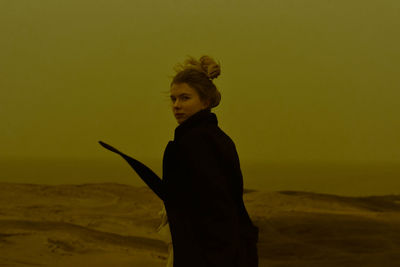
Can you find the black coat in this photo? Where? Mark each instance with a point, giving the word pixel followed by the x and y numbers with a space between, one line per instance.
pixel 202 190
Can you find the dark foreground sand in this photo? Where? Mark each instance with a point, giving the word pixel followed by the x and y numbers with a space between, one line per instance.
pixel 115 225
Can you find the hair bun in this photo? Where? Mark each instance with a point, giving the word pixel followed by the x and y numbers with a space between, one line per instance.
pixel 205 64
pixel 210 67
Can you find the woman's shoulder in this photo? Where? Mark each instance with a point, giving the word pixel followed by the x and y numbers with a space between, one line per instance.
pixel 207 135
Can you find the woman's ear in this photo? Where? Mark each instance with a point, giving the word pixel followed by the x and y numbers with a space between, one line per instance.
pixel 207 104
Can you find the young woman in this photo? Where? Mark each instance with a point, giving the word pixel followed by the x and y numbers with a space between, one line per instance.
pixel 202 185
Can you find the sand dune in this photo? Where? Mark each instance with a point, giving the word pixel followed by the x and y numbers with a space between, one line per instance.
pixel 115 225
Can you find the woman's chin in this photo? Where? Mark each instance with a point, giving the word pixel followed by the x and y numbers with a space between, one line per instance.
pixel 180 120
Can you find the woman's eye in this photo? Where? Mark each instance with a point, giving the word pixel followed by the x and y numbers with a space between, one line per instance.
pixel 185 97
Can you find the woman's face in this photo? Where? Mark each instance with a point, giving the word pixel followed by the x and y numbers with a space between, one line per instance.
pixel 185 101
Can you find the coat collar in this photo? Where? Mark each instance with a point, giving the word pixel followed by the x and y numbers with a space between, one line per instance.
pixel 204 116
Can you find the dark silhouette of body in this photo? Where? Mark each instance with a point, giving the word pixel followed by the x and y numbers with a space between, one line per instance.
pixel 202 190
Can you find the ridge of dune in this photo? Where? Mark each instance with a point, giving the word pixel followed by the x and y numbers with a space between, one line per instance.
pixel 23 227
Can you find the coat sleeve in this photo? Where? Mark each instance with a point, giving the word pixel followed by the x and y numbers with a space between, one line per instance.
pixel 215 217
pixel 144 172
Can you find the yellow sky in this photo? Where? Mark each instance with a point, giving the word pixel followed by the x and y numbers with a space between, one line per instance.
pixel 301 80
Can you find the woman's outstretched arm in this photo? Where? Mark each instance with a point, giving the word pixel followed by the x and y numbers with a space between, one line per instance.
pixel 144 172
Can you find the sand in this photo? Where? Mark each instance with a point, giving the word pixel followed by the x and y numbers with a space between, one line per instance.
pixel 115 225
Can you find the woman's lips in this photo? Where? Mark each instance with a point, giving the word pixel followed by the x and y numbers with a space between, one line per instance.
pixel 179 114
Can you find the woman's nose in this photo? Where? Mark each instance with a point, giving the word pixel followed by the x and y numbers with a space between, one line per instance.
pixel 177 104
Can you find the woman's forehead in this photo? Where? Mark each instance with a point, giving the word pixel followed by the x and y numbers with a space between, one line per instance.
pixel 182 88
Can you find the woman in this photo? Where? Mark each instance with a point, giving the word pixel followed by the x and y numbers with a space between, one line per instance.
pixel 202 185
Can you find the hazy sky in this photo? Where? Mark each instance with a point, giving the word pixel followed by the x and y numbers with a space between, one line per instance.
pixel 304 80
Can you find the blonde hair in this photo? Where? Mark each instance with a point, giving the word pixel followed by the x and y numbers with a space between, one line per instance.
pixel 199 74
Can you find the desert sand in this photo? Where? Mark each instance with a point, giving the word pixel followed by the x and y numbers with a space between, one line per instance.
pixel 115 225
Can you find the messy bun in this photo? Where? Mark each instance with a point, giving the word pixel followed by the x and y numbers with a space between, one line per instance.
pixel 205 64
pixel 199 74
